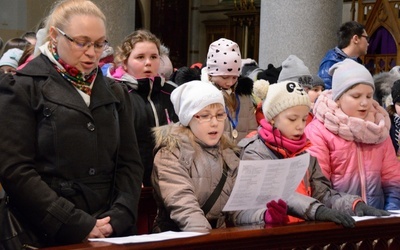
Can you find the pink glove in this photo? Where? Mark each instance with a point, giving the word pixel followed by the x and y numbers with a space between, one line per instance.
pixel 276 212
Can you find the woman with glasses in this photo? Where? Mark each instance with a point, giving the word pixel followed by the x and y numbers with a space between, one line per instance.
pixel 70 164
pixel 193 158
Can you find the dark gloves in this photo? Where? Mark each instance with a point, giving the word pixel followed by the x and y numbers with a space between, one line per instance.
pixel 276 212
pixel 363 209
pixel 326 214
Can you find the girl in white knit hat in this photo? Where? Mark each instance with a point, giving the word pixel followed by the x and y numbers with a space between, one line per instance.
pixel 191 157
pixel 281 135
pixel 350 138
pixel 223 70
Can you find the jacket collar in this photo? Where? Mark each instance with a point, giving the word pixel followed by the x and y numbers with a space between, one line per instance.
pixel 58 90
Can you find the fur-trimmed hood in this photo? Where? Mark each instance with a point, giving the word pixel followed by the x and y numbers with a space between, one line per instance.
pixel 169 136
pixel 177 137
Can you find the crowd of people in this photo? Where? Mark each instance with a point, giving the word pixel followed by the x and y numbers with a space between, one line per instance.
pixel 86 126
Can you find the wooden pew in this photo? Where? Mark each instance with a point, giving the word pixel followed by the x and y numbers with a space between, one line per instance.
pixel 375 234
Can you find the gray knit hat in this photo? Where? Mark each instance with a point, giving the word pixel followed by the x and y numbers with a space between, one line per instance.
pixel 312 82
pixel 293 68
pixel 346 74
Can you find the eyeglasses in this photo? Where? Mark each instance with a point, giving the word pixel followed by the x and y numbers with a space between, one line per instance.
pixel 85 45
pixel 366 37
pixel 207 118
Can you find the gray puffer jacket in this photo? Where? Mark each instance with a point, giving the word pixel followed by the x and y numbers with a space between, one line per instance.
pixel 299 205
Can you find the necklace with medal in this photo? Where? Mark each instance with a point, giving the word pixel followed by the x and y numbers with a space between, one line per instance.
pixel 234 122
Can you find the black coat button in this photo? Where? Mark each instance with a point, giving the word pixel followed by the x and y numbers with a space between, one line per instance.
pixel 92 171
pixel 46 112
pixel 90 126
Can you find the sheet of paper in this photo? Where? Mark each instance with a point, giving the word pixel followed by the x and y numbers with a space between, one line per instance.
pixel 260 181
pixel 169 235
pixel 394 213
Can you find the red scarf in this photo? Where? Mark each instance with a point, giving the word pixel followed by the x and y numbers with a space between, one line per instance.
pixel 274 140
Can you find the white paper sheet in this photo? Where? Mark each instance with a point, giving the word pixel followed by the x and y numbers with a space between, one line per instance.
pixel 169 235
pixel 260 181
pixel 394 213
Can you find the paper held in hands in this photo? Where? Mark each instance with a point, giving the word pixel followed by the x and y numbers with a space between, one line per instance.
pixel 260 181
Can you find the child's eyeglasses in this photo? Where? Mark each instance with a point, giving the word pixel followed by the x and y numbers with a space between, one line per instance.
pixel 207 118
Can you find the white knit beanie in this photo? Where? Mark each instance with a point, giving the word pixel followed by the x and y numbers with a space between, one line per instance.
pixel 284 95
pixel 346 74
pixel 223 58
pixel 293 68
pixel 191 97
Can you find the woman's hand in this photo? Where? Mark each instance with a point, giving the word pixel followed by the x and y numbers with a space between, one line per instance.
pixel 102 228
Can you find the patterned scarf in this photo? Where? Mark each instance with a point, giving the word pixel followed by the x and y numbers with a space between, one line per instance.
pixel 274 140
pixel 72 74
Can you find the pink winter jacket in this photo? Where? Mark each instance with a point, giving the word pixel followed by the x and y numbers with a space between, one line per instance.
pixel 356 155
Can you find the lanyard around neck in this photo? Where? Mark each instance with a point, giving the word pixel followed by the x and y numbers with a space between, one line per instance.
pixel 235 122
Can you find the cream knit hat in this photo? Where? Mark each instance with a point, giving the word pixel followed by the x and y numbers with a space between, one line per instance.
pixel 284 95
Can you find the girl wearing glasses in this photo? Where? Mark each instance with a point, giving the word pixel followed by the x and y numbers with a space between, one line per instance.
pixel 137 63
pixel 191 157
pixel 70 161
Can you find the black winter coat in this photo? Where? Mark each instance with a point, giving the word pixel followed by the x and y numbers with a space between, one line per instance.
pixel 151 103
pixel 60 158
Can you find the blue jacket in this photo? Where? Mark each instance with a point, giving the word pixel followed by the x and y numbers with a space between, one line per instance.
pixel 331 57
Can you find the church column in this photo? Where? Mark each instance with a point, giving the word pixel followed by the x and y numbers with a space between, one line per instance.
pixel 305 28
pixel 194 32
pixel 120 20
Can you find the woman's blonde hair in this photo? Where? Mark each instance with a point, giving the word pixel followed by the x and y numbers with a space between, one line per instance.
pixel 63 10
pixel 129 42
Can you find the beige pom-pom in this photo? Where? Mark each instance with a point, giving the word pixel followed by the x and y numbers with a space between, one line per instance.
pixel 260 89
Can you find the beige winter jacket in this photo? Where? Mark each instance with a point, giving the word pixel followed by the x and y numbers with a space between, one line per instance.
pixel 185 174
